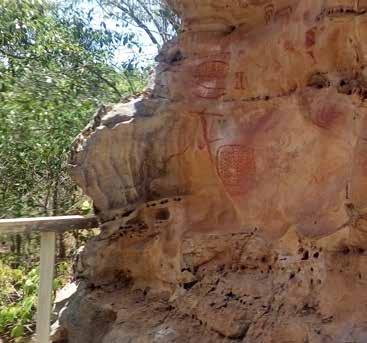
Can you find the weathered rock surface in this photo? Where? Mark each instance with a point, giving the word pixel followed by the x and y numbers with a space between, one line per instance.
pixel 233 194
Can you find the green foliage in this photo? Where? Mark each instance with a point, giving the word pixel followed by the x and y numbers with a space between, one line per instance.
pixel 55 69
pixel 18 298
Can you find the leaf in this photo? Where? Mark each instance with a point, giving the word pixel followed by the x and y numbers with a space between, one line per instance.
pixel 125 40
pixel 28 303
pixel 17 331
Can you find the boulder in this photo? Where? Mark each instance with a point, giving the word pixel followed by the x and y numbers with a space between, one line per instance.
pixel 232 195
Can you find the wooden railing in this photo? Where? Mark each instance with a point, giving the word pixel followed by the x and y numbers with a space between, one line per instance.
pixel 48 227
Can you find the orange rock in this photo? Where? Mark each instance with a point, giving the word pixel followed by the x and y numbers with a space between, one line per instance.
pixel 239 182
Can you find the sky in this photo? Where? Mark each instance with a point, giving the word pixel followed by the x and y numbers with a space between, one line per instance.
pixel 123 54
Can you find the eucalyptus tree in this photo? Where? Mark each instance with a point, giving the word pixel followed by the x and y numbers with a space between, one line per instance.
pixel 153 17
pixel 55 70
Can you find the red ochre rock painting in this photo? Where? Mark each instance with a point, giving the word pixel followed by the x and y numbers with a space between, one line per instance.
pixel 283 14
pixel 269 13
pixel 326 117
pixel 210 79
pixel 236 167
pixel 310 38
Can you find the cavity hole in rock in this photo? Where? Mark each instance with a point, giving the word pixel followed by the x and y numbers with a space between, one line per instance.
pixel 305 255
pixel 231 295
pixel 346 250
pixel 189 285
pixel 318 81
pixel 232 28
pixel 177 57
pixel 162 214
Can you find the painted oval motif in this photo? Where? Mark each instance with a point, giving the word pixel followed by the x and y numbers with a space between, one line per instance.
pixel 210 78
pixel 326 117
pixel 236 167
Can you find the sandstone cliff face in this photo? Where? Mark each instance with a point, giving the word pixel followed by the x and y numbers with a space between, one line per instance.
pixel 233 194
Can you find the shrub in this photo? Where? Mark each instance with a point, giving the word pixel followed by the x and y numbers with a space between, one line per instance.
pixel 18 298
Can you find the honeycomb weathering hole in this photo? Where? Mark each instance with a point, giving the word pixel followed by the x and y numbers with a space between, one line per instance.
pixel 162 214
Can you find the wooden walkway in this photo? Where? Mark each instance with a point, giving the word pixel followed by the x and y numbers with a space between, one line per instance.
pixel 48 227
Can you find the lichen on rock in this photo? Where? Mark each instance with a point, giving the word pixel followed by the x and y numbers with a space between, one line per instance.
pixel 232 195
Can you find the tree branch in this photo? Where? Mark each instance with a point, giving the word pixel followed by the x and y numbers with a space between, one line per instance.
pixel 130 12
pixel 102 78
pixel 149 13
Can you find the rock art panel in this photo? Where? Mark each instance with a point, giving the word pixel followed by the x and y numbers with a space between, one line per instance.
pixel 236 186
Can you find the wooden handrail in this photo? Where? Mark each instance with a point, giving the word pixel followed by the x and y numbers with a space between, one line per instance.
pixel 48 227
pixel 47 224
